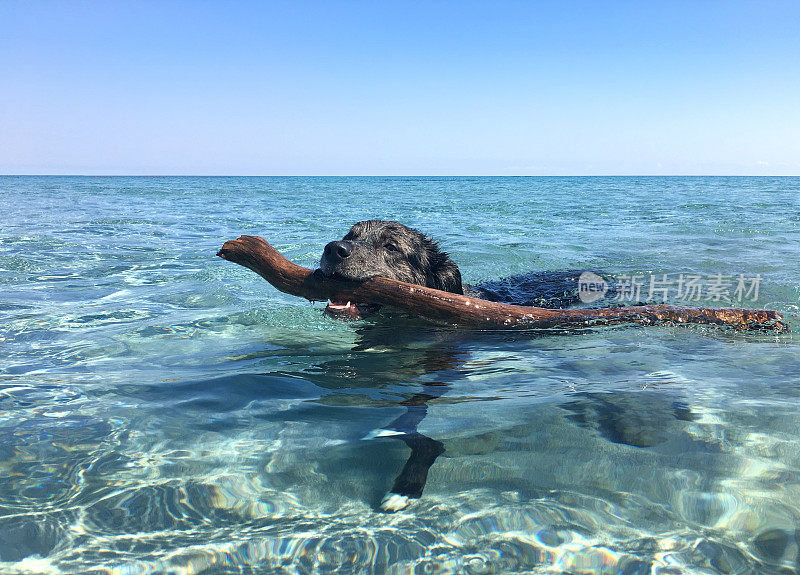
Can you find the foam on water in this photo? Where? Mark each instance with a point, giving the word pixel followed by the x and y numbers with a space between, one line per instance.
pixel 162 410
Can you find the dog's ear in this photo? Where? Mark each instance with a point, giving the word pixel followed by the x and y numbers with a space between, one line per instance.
pixel 446 275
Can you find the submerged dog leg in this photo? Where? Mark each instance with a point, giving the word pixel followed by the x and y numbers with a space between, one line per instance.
pixel 411 481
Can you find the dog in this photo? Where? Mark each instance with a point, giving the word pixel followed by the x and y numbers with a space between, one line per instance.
pixel 392 250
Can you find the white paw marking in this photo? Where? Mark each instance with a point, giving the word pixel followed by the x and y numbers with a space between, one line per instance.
pixel 392 502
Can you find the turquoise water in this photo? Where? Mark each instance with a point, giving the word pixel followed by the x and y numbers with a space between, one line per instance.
pixel 165 411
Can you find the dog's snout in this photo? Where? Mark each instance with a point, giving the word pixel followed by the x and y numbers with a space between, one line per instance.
pixel 337 251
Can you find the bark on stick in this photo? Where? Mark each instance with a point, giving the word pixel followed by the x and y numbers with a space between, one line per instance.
pixel 258 255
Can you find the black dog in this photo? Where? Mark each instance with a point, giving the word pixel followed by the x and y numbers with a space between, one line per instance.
pixel 392 250
pixel 388 249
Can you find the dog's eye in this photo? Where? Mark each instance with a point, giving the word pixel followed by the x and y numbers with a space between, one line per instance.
pixel 391 248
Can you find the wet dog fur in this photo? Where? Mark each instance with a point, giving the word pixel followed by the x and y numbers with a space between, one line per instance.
pixel 391 250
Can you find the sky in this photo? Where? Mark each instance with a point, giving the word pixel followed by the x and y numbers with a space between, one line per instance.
pixel 701 87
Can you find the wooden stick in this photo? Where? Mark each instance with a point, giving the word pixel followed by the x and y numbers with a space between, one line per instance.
pixel 256 254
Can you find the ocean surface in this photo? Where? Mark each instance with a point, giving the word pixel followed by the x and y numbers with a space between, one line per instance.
pixel 165 411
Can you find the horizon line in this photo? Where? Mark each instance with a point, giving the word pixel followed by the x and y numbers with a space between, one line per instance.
pixel 71 175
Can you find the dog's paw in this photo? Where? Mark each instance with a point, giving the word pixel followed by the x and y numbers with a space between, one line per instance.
pixel 393 502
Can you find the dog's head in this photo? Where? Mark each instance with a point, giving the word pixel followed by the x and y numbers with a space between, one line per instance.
pixel 392 250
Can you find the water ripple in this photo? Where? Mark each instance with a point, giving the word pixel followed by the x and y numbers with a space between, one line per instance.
pixel 163 411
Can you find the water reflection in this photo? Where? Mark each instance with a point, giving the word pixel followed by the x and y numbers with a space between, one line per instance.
pixel 421 367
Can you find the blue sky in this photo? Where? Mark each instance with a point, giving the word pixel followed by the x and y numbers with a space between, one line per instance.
pixel 284 88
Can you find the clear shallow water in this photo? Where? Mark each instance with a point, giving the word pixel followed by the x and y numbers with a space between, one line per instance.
pixel 164 411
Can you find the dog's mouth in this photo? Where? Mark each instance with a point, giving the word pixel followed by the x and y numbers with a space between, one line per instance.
pixel 345 309
pixel 350 310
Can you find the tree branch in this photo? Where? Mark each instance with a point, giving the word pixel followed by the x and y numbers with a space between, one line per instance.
pixel 256 254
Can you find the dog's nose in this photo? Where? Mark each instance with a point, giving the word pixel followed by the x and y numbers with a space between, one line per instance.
pixel 337 251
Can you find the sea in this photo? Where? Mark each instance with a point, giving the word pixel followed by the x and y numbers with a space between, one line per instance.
pixel 165 411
